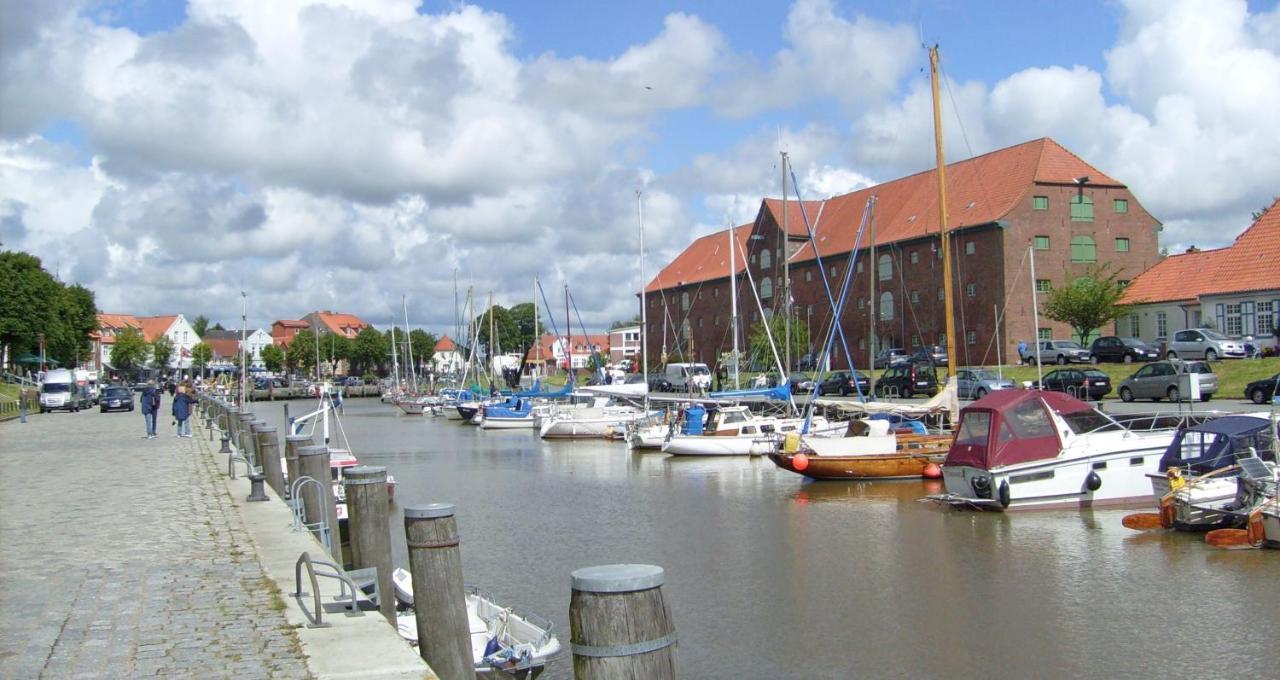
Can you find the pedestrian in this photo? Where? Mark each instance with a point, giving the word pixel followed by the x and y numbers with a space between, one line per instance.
pixel 182 401
pixel 1022 351
pixel 150 404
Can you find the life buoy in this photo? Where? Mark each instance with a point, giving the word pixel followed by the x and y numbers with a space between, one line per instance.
pixel 1256 532
pixel 1004 493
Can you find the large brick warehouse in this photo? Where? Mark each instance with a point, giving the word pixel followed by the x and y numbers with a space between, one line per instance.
pixel 1033 195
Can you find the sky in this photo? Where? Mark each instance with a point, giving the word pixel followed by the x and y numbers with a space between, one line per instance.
pixel 351 154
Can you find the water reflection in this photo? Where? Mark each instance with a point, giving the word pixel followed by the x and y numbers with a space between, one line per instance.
pixel 772 575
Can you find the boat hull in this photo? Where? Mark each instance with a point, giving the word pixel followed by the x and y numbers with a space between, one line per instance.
pixel 873 466
pixel 492 423
pixel 713 445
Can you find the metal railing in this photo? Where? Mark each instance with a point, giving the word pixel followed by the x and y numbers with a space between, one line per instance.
pixel 300 522
pixel 347 589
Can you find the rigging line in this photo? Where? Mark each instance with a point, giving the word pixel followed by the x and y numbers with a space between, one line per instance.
pixel 813 243
pixel 1005 307
pixel 791 398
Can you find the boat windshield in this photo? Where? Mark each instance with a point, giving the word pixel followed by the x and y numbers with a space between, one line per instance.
pixel 974 428
pixel 1090 420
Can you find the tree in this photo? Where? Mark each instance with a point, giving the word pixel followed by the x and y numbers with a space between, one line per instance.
pixel 302 352
pixel 25 309
pixel 506 329
pixel 161 352
pixel 1087 303
pixel 625 324
pixel 217 327
pixel 273 358
pixel 200 325
pixel 758 341
pixel 201 354
pixel 424 348
pixel 129 351
pixel 75 316
pixel 368 350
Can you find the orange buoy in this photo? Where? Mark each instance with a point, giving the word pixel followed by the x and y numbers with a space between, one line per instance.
pixel 800 462
pixel 932 471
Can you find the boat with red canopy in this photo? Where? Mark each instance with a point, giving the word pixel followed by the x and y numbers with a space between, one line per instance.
pixel 1034 449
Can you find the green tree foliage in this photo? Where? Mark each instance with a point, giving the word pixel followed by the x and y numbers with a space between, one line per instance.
pixel 334 347
pixel 1088 303
pixel 624 324
pixel 161 352
pixel 273 358
pixel 302 352
pixel 33 304
pixel 368 350
pixel 522 316
pixel 129 351
pixel 217 327
pixel 508 332
pixel 200 325
pixel 201 355
pixel 758 341
pixel 424 347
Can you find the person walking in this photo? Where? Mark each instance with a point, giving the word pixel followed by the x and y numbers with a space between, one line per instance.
pixel 182 401
pixel 150 403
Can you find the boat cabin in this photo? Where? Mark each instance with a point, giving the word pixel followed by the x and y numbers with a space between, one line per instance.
pixel 1017 426
pixel 1218 443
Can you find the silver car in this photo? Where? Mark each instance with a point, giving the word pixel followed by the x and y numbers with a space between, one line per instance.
pixel 1165 380
pixel 976 383
pixel 1204 343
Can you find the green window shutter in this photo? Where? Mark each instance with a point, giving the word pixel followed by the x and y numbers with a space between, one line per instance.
pixel 1042 243
pixel 1122 245
pixel 1040 203
pixel 1081 208
pixel 1120 206
pixel 1084 249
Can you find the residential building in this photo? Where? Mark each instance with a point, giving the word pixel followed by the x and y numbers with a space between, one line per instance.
pixel 347 325
pixel 102 340
pixel 1001 205
pixel 550 351
pixel 1235 289
pixel 624 343
pixel 448 358
pixel 226 347
pixel 283 330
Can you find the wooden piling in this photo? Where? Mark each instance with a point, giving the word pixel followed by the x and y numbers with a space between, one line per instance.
pixel 435 561
pixel 620 625
pixel 293 442
pixel 242 420
pixel 269 457
pixel 366 490
pixel 318 502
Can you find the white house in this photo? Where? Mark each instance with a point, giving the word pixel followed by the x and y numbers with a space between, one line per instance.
pixel 448 357
pixel 624 343
pixel 1234 289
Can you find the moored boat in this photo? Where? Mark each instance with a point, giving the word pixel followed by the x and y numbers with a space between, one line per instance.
pixel 735 431
pixel 869 450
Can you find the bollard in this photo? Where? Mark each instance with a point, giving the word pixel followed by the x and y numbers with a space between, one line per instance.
pixel 439 600
pixel 366 491
pixel 619 623
pixel 293 442
pixel 313 462
pixel 256 493
pixel 268 447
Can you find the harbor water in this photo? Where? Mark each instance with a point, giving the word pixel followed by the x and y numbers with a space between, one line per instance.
pixel 772 576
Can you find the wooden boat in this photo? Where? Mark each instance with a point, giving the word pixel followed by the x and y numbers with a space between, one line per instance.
pixel 502 641
pixel 868 451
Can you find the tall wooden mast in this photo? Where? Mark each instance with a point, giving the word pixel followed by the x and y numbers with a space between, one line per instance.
pixel 942 214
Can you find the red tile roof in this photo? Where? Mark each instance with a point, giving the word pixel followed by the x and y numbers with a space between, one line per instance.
pixel 704 260
pixel 980 191
pixel 578 345
pixel 1248 264
pixel 155 326
pixel 114 323
pixel 223 347
pixel 446 344
pixel 342 324
pixel 291 323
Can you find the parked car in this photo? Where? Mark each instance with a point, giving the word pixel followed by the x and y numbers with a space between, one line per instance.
pixel 1164 380
pixel 1082 383
pixel 844 384
pixel 935 353
pixel 890 357
pixel 115 398
pixel 976 383
pixel 908 380
pixel 1127 350
pixel 806 362
pixel 1055 352
pixel 1204 343
pixel 658 383
pixel 802 383
pixel 1262 391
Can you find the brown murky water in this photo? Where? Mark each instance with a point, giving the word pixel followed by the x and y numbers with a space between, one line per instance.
pixel 772 576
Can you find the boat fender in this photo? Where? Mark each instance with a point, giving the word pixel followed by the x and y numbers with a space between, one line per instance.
pixel 492 647
pixel 1004 494
pixel 981 486
pixel 1093 482
pixel 800 462
pixel 1255 531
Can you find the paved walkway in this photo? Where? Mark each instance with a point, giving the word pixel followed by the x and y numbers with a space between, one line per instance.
pixel 124 557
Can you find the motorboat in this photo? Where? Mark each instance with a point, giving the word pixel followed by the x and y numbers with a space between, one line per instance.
pixel 735 431
pixel 1034 449
pixel 502 640
pixel 869 449
pixel 515 413
pixel 602 419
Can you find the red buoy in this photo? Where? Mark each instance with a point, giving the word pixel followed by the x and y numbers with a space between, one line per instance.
pixel 932 471
pixel 800 462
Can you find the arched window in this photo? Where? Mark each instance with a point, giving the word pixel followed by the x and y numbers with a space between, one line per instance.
pixel 766 289
pixel 685 329
pixel 684 301
pixel 766 258
pixel 886 306
pixel 884 267
pixel 1084 249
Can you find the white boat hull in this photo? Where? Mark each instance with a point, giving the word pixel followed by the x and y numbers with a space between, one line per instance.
pixel 712 445
pixel 490 423
pixel 588 423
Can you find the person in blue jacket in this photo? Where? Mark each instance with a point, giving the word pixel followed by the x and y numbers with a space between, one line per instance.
pixel 182 401
pixel 150 403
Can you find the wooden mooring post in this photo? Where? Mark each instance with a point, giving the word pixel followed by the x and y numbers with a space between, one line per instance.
pixel 620 625
pixel 435 561
pixel 317 499
pixel 293 442
pixel 268 445
pixel 366 489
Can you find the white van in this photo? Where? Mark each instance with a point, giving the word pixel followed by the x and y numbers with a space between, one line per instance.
pixel 59 390
pixel 88 382
pixel 689 376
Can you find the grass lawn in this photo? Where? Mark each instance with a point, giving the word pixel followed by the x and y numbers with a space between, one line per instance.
pixel 10 391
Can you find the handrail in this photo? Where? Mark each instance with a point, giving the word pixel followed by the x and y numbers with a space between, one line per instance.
pixel 345 582
pixel 300 511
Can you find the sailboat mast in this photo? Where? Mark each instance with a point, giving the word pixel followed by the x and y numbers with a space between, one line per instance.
pixel 537 339
pixel 644 307
pixel 1035 314
pixel 395 359
pixel 942 213
pixel 786 275
pixel 493 342
pixel 733 302
pixel 568 336
pixel 413 370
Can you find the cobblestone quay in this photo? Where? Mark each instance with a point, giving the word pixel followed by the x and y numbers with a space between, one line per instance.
pixel 125 557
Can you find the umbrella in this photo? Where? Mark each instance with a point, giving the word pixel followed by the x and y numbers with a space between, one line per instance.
pixel 29 358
